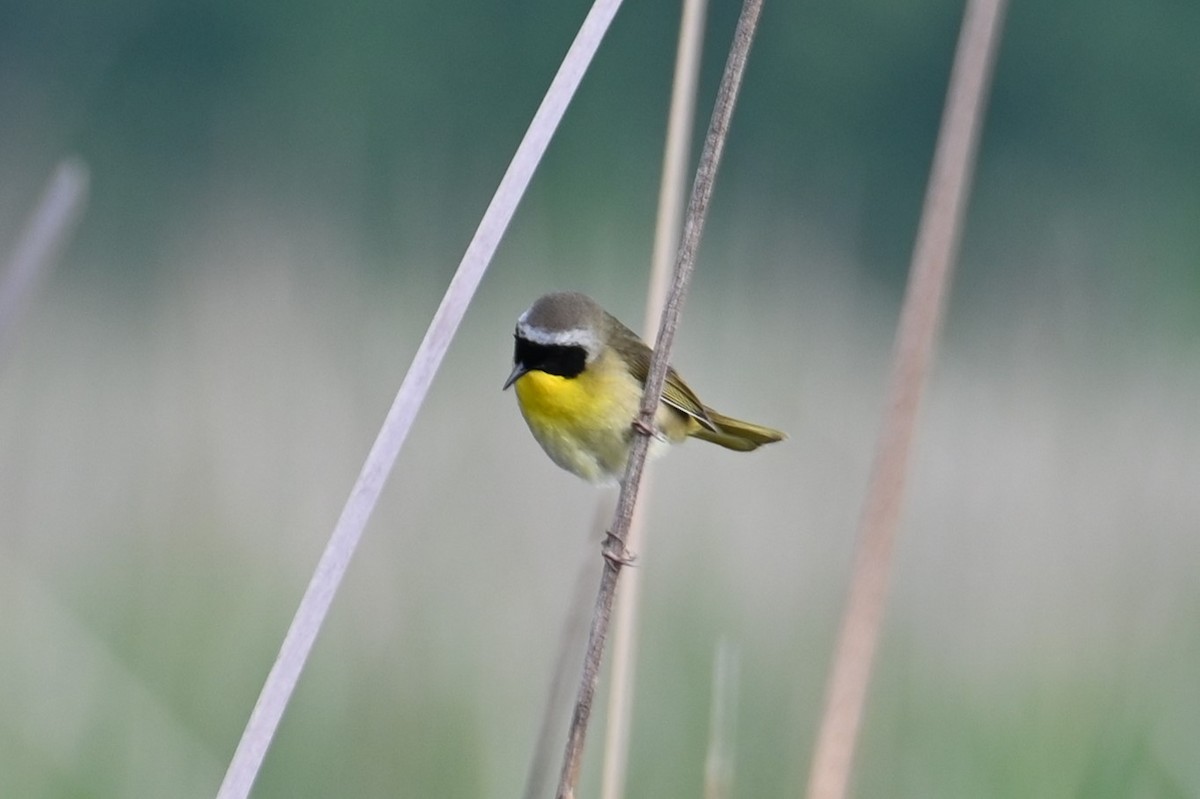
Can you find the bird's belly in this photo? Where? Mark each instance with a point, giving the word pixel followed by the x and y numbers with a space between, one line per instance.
pixel 583 423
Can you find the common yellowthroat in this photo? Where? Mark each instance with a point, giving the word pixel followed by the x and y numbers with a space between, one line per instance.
pixel 580 374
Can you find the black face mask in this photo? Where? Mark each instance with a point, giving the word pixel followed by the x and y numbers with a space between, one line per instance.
pixel 565 360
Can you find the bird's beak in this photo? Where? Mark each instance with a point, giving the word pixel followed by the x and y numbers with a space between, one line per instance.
pixel 518 370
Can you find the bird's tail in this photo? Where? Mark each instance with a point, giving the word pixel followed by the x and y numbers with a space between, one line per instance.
pixel 734 433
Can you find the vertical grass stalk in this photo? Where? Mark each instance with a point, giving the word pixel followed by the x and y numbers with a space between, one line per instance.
pixel 42 239
pixel 680 121
pixel 614 549
pixel 722 724
pixel 920 319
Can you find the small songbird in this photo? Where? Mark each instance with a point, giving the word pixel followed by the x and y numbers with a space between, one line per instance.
pixel 580 374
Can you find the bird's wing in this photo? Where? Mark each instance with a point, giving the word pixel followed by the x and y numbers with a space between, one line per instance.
pixel 676 393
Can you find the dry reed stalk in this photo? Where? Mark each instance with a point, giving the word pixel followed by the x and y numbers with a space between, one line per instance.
pixel 540 780
pixel 614 548
pixel 920 319
pixel 314 606
pixel 680 121
pixel 722 724
pixel 41 240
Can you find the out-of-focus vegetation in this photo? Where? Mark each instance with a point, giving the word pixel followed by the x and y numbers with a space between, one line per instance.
pixel 279 195
pixel 389 126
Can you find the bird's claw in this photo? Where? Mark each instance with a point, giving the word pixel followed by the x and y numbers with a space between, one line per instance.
pixel 613 550
pixel 643 428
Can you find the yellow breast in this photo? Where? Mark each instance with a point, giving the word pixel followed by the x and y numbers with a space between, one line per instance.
pixel 583 422
pixel 586 400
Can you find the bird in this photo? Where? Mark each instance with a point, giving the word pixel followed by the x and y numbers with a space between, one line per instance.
pixel 579 375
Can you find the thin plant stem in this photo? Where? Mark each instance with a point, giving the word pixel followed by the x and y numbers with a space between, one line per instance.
pixel 314 606
pixel 540 779
pixel 41 240
pixel 614 548
pixel 920 319
pixel 722 724
pixel 681 118
pixel 680 122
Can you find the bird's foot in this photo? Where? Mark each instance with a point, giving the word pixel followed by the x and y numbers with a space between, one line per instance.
pixel 643 428
pixel 613 550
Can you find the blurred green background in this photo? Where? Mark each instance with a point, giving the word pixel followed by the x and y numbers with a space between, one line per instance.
pixel 280 193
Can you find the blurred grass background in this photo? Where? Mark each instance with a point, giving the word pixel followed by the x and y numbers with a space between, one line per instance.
pixel 280 193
